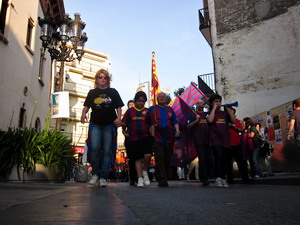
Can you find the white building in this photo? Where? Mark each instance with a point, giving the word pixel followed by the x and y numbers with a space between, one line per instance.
pixel 256 52
pixel 24 68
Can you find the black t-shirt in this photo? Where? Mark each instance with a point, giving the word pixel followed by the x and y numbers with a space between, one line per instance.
pixel 296 116
pixel 255 137
pixel 104 103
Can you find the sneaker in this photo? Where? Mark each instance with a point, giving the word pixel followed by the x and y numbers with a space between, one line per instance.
pixel 132 183
pixel 94 180
pixel 163 183
pixel 103 182
pixel 224 183
pixel 140 182
pixel 146 178
pixel 188 178
pixel 205 183
pixel 219 182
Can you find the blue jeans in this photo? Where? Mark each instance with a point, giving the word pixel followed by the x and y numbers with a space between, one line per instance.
pixel 256 161
pixel 101 152
pixel 297 139
pixel 266 161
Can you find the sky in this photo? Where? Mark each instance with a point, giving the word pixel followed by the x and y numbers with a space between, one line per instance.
pixel 128 31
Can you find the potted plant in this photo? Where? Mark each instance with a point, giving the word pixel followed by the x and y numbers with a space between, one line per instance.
pixel 25 149
pixel 55 152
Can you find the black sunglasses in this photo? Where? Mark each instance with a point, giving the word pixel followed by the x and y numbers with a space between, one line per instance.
pixel 101 77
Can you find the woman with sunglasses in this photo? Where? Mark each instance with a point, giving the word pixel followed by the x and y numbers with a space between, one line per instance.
pixel 106 105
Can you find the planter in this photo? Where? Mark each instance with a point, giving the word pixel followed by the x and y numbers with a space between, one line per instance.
pixel 23 148
pixel 41 173
pixel 82 174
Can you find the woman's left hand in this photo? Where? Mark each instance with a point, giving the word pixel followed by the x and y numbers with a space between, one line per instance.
pixel 117 122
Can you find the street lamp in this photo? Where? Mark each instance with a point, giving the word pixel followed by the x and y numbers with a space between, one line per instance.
pixel 64 40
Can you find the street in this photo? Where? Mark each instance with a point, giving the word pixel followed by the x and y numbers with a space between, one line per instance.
pixel 264 202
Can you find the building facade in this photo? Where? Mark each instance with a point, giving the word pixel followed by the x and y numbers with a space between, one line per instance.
pixel 255 47
pixel 24 66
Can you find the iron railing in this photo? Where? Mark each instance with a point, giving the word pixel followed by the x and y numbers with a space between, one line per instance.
pixel 203 18
pixel 209 80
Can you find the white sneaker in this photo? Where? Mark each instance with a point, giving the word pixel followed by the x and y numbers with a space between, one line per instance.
pixel 224 183
pixel 219 182
pixel 103 182
pixel 146 178
pixel 140 182
pixel 94 180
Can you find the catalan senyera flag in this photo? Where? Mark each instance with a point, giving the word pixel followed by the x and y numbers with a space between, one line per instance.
pixel 155 89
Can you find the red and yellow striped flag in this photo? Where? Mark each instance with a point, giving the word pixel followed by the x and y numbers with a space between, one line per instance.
pixel 155 89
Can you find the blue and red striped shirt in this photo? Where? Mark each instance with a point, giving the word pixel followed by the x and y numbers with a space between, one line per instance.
pixel 201 131
pixel 219 134
pixel 138 123
pixel 164 119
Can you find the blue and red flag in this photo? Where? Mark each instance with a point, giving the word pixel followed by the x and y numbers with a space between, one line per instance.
pixel 184 148
pixel 192 94
pixel 181 110
pixel 183 103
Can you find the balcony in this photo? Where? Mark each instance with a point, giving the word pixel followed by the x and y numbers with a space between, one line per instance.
pixel 77 89
pixel 78 139
pixel 204 24
pixel 206 83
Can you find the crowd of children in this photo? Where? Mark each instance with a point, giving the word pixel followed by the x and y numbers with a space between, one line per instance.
pixel 219 137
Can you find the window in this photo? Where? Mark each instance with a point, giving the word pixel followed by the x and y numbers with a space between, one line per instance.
pixel 3 15
pixel 41 69
pixel 3 11
pixel 22 116
pixel 37 124
pixel 29 34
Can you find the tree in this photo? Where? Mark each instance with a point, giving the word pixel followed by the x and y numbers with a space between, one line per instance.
pixel 179 91
pixel 169 99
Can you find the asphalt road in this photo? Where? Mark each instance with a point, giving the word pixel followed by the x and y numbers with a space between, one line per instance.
pixel 273 201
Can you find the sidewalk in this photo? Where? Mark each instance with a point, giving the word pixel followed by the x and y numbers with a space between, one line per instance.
pixel 61 203
pixel 283 178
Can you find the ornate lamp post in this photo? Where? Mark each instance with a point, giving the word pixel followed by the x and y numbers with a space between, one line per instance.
pixel 64 40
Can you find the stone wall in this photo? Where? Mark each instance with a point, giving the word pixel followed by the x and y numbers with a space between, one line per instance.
pixel 256 57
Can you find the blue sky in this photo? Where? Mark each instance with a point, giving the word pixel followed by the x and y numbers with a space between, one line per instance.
pixel 129 30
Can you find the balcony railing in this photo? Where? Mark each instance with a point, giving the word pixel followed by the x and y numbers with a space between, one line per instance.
pixel 206 83
pixel 79 89
pixel 203 18
pixel 78 138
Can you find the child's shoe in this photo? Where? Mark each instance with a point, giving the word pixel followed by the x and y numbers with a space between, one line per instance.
pixel 219 182
pixel 224 183
pixel 140 182
pixel 94 180
pixel 103 182
pixel 146 178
